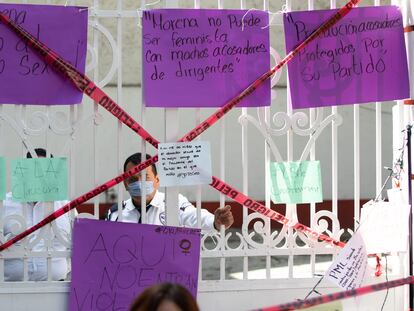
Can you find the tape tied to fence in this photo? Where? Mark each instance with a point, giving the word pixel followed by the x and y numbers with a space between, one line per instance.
pixel 302 304
pixel 88 87
pixel 81 81
pixel 409 28
pixel 255 206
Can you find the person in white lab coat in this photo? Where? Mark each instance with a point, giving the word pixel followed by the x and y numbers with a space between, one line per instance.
pixel 34 212
pixel 155 202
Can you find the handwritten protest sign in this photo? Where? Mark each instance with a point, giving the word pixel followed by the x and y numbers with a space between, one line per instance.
pixel 384 227
pixel 350 267
pixel 203 58
pixel 40 179
pixel 296 182
pixel 186 163
pixel 114 262
pixel 2 178
pixel 25 77
pixel 360 59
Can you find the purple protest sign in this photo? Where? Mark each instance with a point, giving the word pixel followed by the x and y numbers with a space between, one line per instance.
pixel 113 262
pixel 203 58
pixel 25 78
pixel 360 59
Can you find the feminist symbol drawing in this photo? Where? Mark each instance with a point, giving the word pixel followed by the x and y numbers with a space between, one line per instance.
pixel 185 245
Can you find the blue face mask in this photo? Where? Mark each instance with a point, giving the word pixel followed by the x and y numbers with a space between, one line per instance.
pixel 135 188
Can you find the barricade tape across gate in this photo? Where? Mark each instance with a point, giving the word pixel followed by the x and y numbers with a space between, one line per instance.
pixel 83 83
pixel 302 304
pixel 409 28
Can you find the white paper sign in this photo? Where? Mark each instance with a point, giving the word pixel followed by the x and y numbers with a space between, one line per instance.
pixel 187 163
pixel 396 196
pixel 384 227
pixel 351 265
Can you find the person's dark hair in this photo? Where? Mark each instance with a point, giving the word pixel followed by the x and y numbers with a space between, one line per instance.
pixel 136 159
pixel 152 297
pixel 40 152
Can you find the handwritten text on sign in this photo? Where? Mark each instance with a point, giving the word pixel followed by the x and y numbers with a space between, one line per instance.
pixel 202 58
pixel 2 178
pixel 360 59
pixel 296 182
pixel 43 179
pixel 28 79
pixel 114 262
pixel 186 163
pixel 350 267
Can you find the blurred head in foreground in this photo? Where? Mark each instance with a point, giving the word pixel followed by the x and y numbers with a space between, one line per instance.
pixel 165 297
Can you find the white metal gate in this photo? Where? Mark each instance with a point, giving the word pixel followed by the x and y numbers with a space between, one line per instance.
pixel 251 267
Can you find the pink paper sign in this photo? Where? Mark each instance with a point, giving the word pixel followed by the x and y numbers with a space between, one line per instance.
pixel 360 59
pixel 113 262
pixel 203 58
pixel 25 78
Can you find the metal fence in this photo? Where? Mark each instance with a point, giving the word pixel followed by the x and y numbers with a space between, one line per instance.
pixel 278 264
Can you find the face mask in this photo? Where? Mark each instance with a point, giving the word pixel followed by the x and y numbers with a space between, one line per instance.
pixel 135 188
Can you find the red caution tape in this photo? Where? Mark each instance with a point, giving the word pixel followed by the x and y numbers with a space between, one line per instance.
pixel 79 200
pixel 297 305
pixel 252 87
pixel 409 28
pixel 378 267
pixel 83 83
pixel 255 206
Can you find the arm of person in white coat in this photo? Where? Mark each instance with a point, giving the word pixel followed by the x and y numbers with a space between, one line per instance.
pixel 208 221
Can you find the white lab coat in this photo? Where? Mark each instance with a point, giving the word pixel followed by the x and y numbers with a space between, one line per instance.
pixel 156 213
pixel 37 267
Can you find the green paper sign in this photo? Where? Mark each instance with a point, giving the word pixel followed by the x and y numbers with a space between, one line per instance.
pixel 2 178
pixel 296 182
pixel 332 306
pixel 42 179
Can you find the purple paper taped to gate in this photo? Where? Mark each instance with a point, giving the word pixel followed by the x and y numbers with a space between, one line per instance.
pixel 25 78
pixel 113 262
pixel 203 58
pixel 360 59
